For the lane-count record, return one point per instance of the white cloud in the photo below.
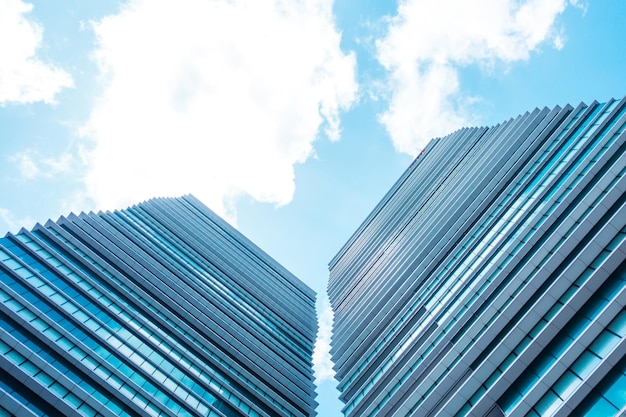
(428, 41)
(11, 223)
(219, 98)
(26, 166)
(24, 78)
(31, 165)
(582, 5)
(322, 362)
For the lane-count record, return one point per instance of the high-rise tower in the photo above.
(159, 309)
(491, 279)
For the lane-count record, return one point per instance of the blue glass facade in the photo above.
(491, 279)
(159, 309)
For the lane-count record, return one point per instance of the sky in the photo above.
(290, 118)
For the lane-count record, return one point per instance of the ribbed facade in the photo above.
(491, 279)
(160, 309)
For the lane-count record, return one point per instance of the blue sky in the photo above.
(290, 118)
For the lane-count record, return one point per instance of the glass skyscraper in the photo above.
(160, 309)
(490, 280)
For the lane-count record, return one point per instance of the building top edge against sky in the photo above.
(381, 204)
(404, 176)
(158, 309)
(221, 223)
(249, 245)
(398, 184)
(477, 266)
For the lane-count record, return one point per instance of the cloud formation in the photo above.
(9, 222)
(322, 361)
(220, 98)
(428, 41)
(31, 165)
(24, 77)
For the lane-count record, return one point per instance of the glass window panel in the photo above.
(602, 408)
(44, 379)
(604, 343)
(616, 393)
(30, 368)
(585, 364)
(114, 381)
(618, 325)
(16, 357)
(553, 311)
(567, 384)
(87, 410)
(58, 389)
(137, 378)
(577, 328)
(127, 391)
(548, 404)
(510, 399)
(116, 409)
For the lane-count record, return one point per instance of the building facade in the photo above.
(160, 309)
(491, 279)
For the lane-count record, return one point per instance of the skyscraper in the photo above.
(159, 309)
(490, 280)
